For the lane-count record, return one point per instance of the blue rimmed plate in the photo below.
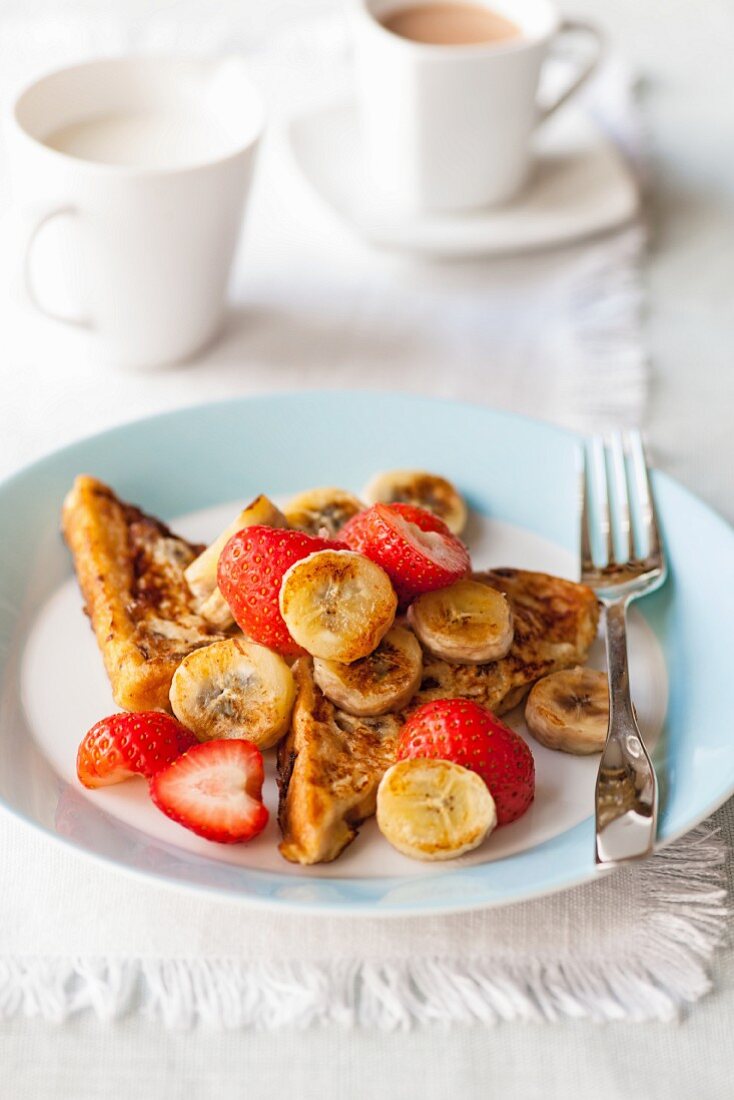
(196, 467)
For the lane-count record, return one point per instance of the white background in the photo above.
(683, 49)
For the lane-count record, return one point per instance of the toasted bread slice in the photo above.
(130, 569)
(329, 768)
(555, 623)
(331, 763)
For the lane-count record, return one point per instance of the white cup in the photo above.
(137, 254)
(450, 127)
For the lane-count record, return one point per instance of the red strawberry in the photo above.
(414, 547)
(124, 745)
(421, 517)
(470, 735)
(250, 571)
(215, 789)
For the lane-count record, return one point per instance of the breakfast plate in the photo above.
(580, 186)
(194, 467)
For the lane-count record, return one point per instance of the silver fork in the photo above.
(614, 474)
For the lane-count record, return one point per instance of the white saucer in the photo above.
(580, 186)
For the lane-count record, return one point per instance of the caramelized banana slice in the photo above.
(383, 681)
(216, 611)
(201, 575)
(467, 623)
(570, 710)
(337, 604)
(434, 809)
(234, 688)
(428, 491)
(319, 510)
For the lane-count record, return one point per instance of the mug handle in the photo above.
(30, 222)
(576, 26)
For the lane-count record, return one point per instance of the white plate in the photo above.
(580, 186)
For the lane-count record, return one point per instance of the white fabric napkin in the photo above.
(555, 335)
(79, 936)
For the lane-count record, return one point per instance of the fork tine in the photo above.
(587, 561)
(644, 495)
(602, 478)
(619, 473)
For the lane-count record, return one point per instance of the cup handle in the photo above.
(576, 26)
(30, 222)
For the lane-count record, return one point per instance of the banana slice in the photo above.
(467, 623)
(317, 510)
(234, 688)
(569, 710)
(428, 491)
(201, 575)
(337, 604)
(434, 809)
(383, 681)
(216, 611)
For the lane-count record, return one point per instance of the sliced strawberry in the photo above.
(414, 547)
(469, 734)
(421, 517)
(215, 789)
(249, 575)
(124, 745)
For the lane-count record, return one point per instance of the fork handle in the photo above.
(626, 787)
(622, 721)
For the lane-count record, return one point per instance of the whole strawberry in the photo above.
(249, 575)
(124, 745)
(469, 734)
(414, 547)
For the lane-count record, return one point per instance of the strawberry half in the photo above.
(469, 734)
(414, 547)
(124, 745)
(421, 517)
(215, 789)
(250, 571)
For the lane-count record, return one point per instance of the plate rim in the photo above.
(342, 907)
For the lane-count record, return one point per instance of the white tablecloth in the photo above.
(691, 425)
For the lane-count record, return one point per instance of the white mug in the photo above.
(449, 127)
(136, 251)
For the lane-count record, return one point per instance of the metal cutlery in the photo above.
(622, 559)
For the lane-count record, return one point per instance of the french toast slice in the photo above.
(329, 767)
(331, 763)
(555, 622)
(130, 568)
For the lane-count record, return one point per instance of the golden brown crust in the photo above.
(331, 763)
(130, 570)
(555, 622)
(329, 768)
